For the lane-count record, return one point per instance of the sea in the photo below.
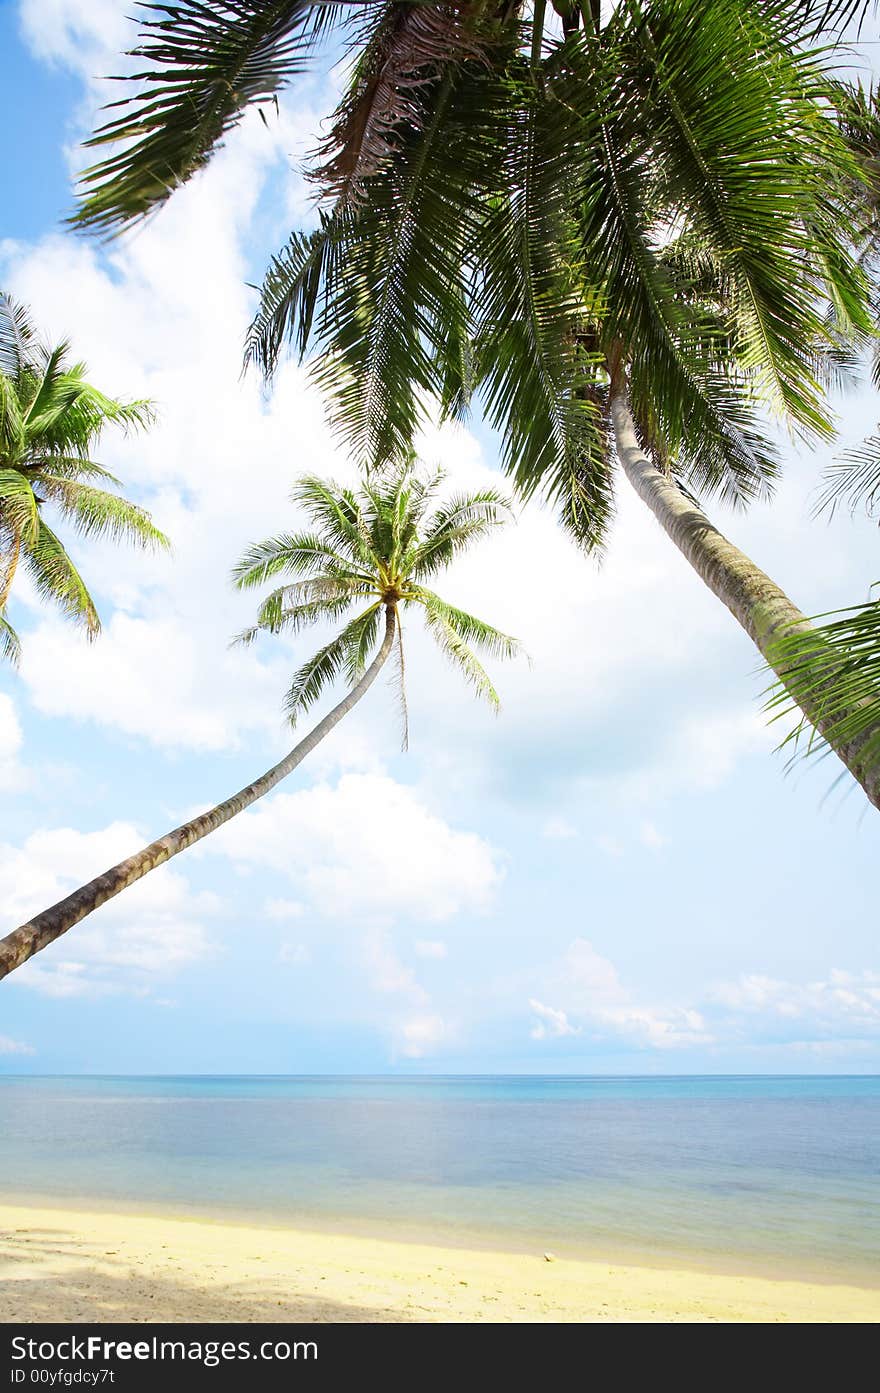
(771, 1175)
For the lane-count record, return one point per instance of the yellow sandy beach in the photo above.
(71, 1265)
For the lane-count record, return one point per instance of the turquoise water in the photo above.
(763, 1174)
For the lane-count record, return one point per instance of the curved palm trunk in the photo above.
(764, 611)
(44, 928)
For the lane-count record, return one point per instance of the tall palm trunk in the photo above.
(44, 928)
(764, 611)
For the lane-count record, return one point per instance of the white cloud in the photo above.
(414, 1027)
(365, 850)
(295, 953)
(431, 948)
(650, 836)
(707, 749)
(10, 1046)
(152, 683)
(847, 1001)
(609, 846)
(365, 846)
(550, 1023)
(751, 1012)
(594, 999)
(150, 930)
(12, 776)
(283, 909)
(387, 973)
(558, 829)
(79, 36)
(422, 1035)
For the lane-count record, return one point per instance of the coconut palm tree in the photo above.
(50, 419)
(621, 229)
(374, 552)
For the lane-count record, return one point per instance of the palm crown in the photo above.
(648, 204)
(50, 418)
(370, 549)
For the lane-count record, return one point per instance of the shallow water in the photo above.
(765, 1174)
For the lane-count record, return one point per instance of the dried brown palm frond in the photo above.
(409, 46)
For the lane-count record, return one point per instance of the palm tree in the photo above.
(371, 551)
(623, 233)
(50, 419)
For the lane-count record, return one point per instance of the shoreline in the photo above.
(79, 1264)
(410, 1232)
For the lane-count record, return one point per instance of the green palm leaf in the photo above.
(97, 513)
(18, 338)
(57, 579)
(449, 640)
(321, 670)
(835, 669)
(363, 636)
(290, 553)
(10, 643)
(470, 629)
(207, 61)
(854, 480)
(19, 514)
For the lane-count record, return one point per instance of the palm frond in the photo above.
(382, 308)
(853, 480)
(289, 553)
(336, 512)
(693, 413)
(831, 16)
(470, 629)
(401, 51)
(376, 291)
(207, 61)
(12, 428)
(19, 342)
(834, 669)
(77, 468)
(290, 292)
(363, 634)
(581, 488)
(96, 513)
(321, 670)
(739, 139)
(68, 415)
(464, 519)
(19, 513)
(10, 643)
(448, 638)
(276, 615)
(57, 579)
(533, 296)
(50, 416)
(399, 680)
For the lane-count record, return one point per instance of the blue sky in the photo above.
(614, 875)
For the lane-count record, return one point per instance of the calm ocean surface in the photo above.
(775, 1174)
